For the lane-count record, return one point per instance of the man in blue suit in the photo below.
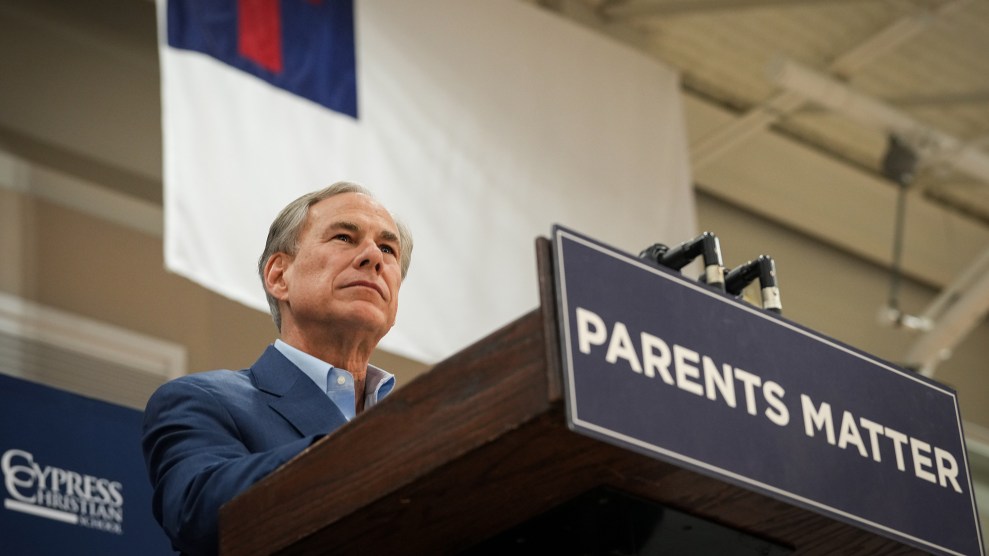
(331, 268)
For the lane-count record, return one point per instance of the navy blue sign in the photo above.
(668, 367)
(73, 476)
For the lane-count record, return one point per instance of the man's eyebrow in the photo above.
(346, 225)
(386, 235)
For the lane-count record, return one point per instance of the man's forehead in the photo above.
(354, 212)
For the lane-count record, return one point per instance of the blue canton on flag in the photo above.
(303, 46)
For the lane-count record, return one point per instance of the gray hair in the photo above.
(283, 236)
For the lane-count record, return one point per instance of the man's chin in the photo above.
(372, 319)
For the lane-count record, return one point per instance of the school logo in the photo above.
(60, 494)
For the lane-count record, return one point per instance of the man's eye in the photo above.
(387, 249)
(342, 237)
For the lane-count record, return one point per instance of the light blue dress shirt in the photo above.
(338, 383)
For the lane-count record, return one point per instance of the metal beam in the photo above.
(842, 99)
(711, 147)
(953, 315)
(638, 9)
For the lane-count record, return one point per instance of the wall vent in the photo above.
(82, 355)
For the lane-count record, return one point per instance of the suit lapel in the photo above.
(293, 396)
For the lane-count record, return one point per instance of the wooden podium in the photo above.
(480, 445)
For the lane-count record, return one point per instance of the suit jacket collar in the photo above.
(294, 396)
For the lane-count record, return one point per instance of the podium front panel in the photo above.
(669, 367)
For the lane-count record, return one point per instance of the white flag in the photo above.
(479, 123)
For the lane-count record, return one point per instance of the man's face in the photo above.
(346, 270)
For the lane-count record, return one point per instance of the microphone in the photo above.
(762, 268)
(705, 245)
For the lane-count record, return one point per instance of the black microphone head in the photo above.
(654, 253)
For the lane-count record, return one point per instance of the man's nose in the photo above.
(370, 255)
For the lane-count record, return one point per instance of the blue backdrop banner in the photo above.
(669, 367)
(73, 476)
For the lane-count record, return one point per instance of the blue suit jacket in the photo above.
(209, 436)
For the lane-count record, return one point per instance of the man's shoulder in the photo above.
(267, 377)
(225, 377)
(219, 383)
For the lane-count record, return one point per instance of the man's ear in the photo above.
(274, 275)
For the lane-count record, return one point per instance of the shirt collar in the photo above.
(377, 383)
(313, 367)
